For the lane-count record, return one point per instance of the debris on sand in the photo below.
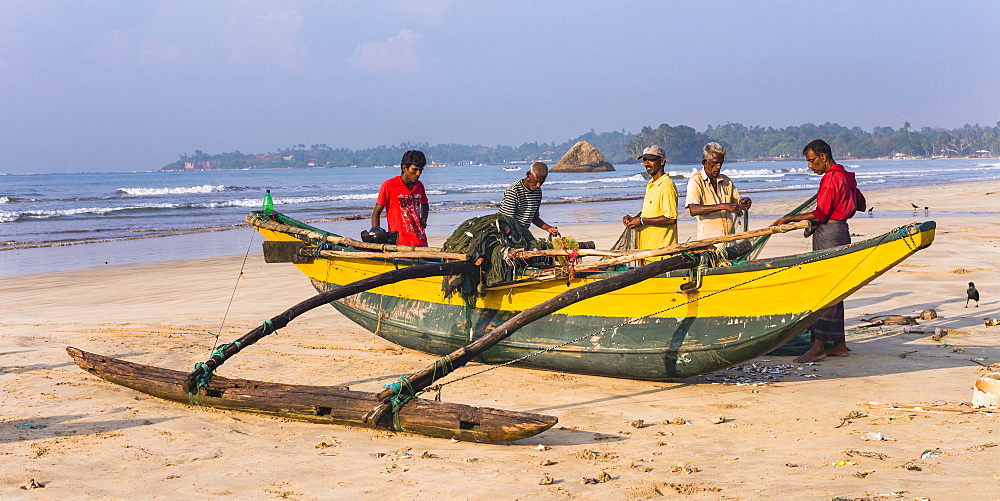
(866, 454)
(685, 468)
(638, 423)
(603, 477)
(31, 484)
(589, 454)
(718, 419)
(546, 480)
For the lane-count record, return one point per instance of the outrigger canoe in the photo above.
(656, 321)
(662, 328)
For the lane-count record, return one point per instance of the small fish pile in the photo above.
(758, 373)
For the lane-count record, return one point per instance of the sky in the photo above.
(91, 86)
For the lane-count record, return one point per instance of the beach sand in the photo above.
(799, 437)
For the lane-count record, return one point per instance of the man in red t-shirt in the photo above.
(837, 200)
(406, 202)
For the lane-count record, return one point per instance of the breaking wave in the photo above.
(146, 192)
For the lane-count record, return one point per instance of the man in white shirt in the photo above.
(712, 198)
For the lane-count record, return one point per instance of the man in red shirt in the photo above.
(405, 202)
(837, 200)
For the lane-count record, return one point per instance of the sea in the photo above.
(54, 222)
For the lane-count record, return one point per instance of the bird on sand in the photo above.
(973, 294)
(914, 206)
(870, 209)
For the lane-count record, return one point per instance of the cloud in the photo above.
(267, 40)
(432, 11)
(158, 50)
(113, 48)
(394, 55)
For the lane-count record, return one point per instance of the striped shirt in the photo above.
(521, 203)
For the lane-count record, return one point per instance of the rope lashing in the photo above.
(400, 398)
(205, 371)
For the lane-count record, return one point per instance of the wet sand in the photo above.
(791, 431)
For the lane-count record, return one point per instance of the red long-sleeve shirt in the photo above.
(838, 196)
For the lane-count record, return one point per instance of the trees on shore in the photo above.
(681, 143)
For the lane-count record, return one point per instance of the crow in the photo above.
(914, 206)
(870, 209)
(973, 294)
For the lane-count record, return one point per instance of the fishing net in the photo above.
(758, 243)
(489, 238)
(627, 240)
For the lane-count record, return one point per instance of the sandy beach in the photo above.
(794, 436)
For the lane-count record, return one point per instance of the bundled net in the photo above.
(488, 238)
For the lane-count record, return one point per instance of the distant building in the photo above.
(980, 154)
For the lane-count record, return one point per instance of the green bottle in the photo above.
(268, 207)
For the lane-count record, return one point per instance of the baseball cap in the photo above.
(652, 153)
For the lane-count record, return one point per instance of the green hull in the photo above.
(649, 330)
(654, 349)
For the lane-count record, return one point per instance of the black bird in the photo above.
(973, 294)
(914, 206)
(870, 209)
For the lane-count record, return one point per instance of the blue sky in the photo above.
(130, 85)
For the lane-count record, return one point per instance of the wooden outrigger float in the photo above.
(319, 404)
(669, 319)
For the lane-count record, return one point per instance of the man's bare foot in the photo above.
(839, 349)
(816, 352)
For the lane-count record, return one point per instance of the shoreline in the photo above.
(223, 241)
(789, 431)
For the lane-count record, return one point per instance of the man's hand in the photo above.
(632, 222)
(553, 230)
(745, 203)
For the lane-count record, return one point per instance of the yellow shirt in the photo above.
(700, 191)
(660, 200)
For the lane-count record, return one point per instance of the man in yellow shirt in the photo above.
(657, 222)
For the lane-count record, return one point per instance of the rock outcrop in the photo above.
(583, 157)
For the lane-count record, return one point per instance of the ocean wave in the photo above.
(145, 192)
(619, 179)
(764, 173)
(4, 200)
(7, 217)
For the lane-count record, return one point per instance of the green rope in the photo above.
(202, 380)
(399, 399)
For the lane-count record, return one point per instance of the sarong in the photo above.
(830, 327)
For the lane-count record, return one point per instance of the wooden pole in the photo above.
(330, 254)
(423, 378)
(254, 220)
(282, 319)
(634, 255)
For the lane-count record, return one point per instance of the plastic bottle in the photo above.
(268, 207)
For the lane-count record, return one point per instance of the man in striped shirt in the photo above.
(523, 198)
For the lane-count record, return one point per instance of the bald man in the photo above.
(523, 198)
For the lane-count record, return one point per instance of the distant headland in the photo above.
(681, 143)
